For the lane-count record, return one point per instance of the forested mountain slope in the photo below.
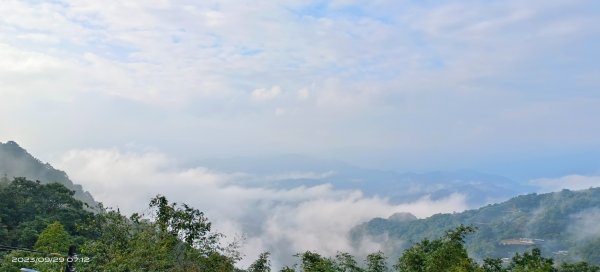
(565, 225)
(41, 221)
(17, 162)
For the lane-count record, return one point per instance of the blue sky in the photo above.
(120, 94)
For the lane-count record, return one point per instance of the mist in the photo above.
(282, 221)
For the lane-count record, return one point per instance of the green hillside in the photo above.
(41, 221)
(565, 225)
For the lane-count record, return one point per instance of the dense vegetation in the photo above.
(47, 219)
(560, 223)
(43, 220)
(17, 162)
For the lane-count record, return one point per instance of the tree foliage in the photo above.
(46, 218)
(27, 207)
(445, 254)
(262, 264)
(53, 239)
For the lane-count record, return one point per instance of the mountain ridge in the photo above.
(563, 224)
(479, 188)
(15, 161)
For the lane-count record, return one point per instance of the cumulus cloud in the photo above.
(571, 182)
(283, 221)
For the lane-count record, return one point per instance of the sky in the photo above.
(411, 85)
(126, 89)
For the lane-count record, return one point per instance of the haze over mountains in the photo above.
(291, 122)
(283, 204)
(292, 171)
(563, 224)
(289, 171)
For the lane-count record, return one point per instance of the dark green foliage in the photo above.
(376, 262)
(448, 254)
(17, 162)
(443, 254)
(344, 262)
(27, 207)
(493, 265)
(262, 264)
(48, 217)
(179, 238)
(531, 262)
(186, 223)
(313, 262)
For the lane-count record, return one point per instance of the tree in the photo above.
(376, 262)
(493, 265)
(445, 254)
(27, 207)
(53, 239)
(287, 269)
(262, 264)
(344, 262)
(313, 262)
(178, 240)
(531, 262)
(186, 223)
(52, 243)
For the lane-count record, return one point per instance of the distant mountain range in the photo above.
(565, 225)
(15, 161)
(291, 171)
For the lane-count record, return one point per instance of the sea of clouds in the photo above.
(282, 221)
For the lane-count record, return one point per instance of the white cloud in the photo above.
(284, 221)
(416, 82)
(29, 74)
(298, 175)
(264, 94)
(571, 182)
(419, 78)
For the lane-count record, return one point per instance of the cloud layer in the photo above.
(386, 84)
(282, 221)
(571, 182)
(405, 82)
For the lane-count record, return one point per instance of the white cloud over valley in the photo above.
(387, 85)
(283, 221)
